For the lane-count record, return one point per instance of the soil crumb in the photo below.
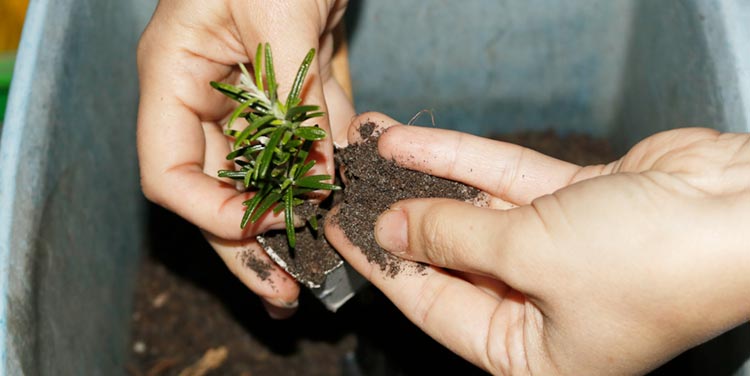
(373, 185)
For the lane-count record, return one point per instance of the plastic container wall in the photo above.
(619, 69)
(71, 224)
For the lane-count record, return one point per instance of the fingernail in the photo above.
(279, 309)
(391, 231)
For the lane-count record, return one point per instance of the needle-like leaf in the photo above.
(313, 220)
(289, 218)
(268, 201)
(315, 182)
(299, 110)
(232, 174)
(263, 132)
(231, 91)
(310, 133)
(267, 153)
(257, 67)
(303, 170)
(243, 136)
(294, 94)
(270, 74)
(252, 204)
(238, 111)
(236, 153)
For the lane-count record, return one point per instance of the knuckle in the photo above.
(430, 294)
(435, 238)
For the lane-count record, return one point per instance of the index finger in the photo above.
(504, 170)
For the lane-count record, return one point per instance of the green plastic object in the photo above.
(6, 72)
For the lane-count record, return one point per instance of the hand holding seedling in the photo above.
(609, 269)
(181, 144)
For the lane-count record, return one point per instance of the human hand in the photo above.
(189, 43)
(609, 269)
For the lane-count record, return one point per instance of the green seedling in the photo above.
(272, 151)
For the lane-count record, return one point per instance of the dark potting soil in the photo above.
(312, 258)
(373, 185)
(187, 302)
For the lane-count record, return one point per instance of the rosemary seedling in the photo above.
(271, 151)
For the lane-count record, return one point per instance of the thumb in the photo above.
(291, 28)
(504, 244)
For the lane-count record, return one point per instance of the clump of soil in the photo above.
(312, 258)
(373, 185)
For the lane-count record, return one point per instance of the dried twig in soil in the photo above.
(212, 359)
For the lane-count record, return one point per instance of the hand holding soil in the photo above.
(608, 269)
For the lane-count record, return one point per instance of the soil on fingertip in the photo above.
(260, 266)
(373, 185)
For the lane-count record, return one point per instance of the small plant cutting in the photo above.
(271, 152)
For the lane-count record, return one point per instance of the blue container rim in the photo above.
(10, 154)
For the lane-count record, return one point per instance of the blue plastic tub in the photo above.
(71, 224)
(71, 216)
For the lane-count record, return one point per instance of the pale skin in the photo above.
(189, 43)
(608, 269)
